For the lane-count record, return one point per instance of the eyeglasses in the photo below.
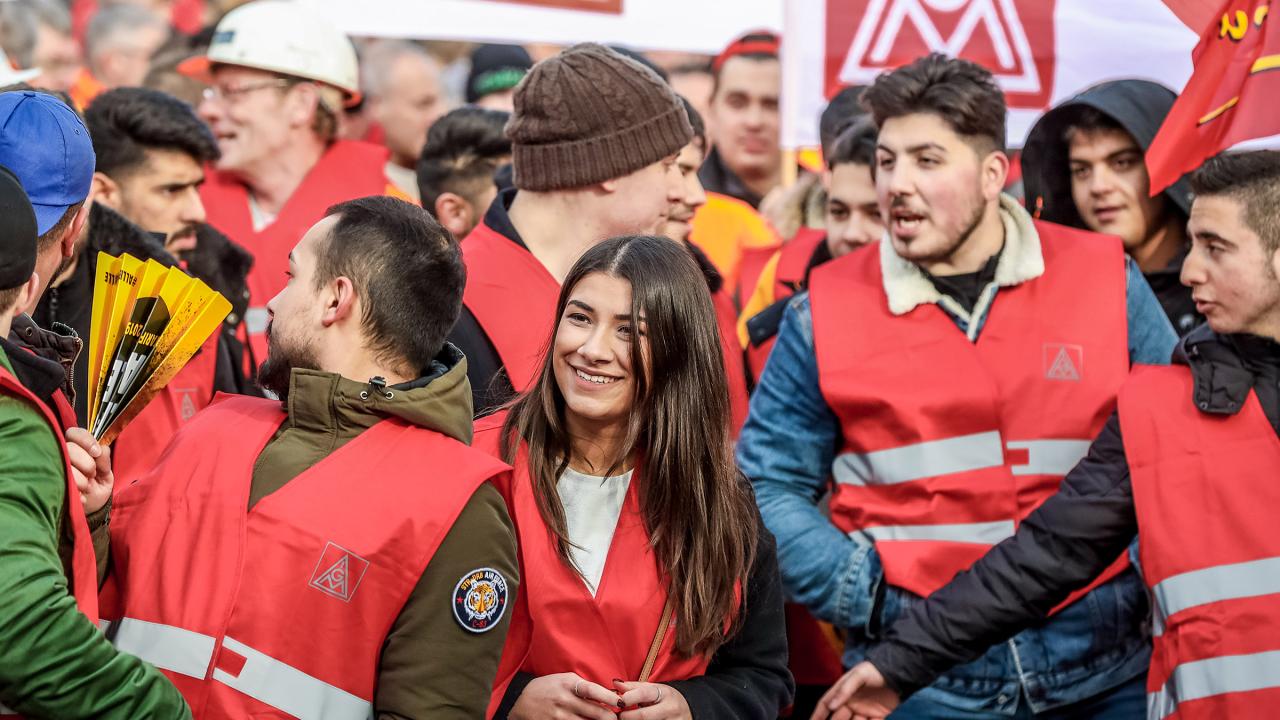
(226, 94)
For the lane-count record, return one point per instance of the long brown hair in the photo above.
(697, 507)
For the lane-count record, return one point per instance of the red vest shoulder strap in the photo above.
(796, 254)
(513, 297)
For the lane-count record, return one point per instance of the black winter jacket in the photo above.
(1074, 536)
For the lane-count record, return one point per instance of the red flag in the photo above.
(1230, 97)
(1195, 14)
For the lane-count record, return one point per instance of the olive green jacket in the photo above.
(431, 666)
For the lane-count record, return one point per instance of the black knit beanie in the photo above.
(588, 115)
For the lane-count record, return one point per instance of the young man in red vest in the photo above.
(340, 552)
(53, 661)
(942, 381)
(594, 141)
(279, 76)
(1193, 476)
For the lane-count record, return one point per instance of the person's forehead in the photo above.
(909, 131)
(1099, 141)
(757, 76)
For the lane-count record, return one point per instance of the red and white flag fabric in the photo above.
(1231, 95)
(1041, 51)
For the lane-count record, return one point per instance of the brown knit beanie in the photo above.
(588, 115)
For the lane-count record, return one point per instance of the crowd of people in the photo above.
(545, 394)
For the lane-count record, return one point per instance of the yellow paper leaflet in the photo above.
(148, 321)
(199, 317)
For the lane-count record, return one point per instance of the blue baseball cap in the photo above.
(46, 145)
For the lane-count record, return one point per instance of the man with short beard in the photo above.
(339, 552)
(944, 380)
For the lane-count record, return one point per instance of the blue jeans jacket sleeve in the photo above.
(786, 449)
(1151, 337)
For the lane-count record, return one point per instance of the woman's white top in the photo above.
(591, 508)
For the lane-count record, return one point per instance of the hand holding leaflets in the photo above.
(148, 321)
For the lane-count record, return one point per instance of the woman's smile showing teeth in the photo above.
(597, 379)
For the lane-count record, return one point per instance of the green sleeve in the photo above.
(431, 666)
(53, 662)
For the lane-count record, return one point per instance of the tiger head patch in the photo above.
(480, 599)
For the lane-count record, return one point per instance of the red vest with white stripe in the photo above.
(513, 297)
(142, 441)
(949, 443)
(557, 625)
(84, 567)
(1206, 489)
(282, 608)
(346, 171)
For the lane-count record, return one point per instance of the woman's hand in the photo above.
(564, 696)
(651, 701)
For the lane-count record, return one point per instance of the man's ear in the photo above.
(454, 213)
(339, 299)
(106, 191)
(995, 171)
(29, 297)
(76, 226)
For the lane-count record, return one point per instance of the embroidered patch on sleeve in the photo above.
(480, 599)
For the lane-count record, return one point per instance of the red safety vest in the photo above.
(513, 297)
(949, 443)
(734, 364)
(1206, 494)
(346, 171)
(282, 608)
(558, 626)
(788, 279)
(140, 444)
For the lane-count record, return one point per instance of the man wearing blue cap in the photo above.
(53, 661)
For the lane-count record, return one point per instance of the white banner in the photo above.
(1042, 51)
(703, 26)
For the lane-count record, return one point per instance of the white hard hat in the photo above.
(9, 75)
(281, 36)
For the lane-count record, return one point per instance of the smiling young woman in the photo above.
(650, 583)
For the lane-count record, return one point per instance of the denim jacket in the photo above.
(787, 447)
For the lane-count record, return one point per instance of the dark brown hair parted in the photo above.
(697, 507)
(1253, 180)
(962, 93)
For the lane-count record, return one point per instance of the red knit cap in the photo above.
(588, 115)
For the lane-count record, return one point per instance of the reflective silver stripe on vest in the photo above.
(921, 460)
(165, 646)
(1049, 457)
(256, 320)
(1215, 676)
(1215, 584)
(987, 533)
(290, 690)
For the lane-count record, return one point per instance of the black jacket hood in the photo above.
(1139, 106)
